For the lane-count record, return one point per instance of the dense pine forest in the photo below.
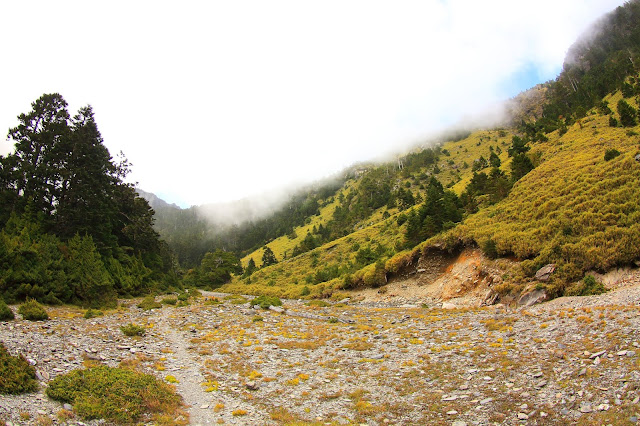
(73, 230)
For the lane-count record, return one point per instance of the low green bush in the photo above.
(33, 311)
(149, 303)
(318, 303)
(16, 374)
(212, 301)
(92, 313)
(6, 314)
(194, 293)
(265, 301)
(236, 299)
(132, 330)
(587, 287)
(169, 301)
(610, 154)
(115, 394)
(489, 249)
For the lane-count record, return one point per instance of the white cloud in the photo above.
(218, 100)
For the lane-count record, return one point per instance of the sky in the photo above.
(215, 101)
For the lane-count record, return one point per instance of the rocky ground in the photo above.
(568, 361)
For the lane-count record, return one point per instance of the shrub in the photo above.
(374, 275)
(132, 330)
(627, 114)
(194, 293)
(33, 311)
(91, 313)
(613, 122)
(399, 261)
(265, 301)
(305, 291)
(489, 249)
(169, 301)
(16, 374)
(236, 299)
(588, 286)
(611, 154)
(115, 394)
(149, 303)
(318, 303)
(6, 314)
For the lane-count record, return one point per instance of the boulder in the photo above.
(545, 272)
(447, 305)
(532, 297)
(251, 385)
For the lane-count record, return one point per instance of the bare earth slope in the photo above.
(568, 361)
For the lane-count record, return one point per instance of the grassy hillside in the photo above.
(576, 208)
(561, 185)
(283, 246)
(304, 275)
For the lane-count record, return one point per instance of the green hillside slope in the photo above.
(578, 207)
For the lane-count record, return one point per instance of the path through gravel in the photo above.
(181, 364)
(571, 361)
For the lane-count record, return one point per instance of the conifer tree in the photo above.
(627, 114)
(91, 283)
(268, 258)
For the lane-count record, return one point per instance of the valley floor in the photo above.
(568, 361)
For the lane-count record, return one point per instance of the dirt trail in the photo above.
(182, 364)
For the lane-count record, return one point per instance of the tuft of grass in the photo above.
(92, 313)
(115, 394)
(169, 301)
(33, 311)
(171, 379)
(16, 374)
(149, 303)
(132, 329)
(236, 299)
(318, 303)
(265, 301)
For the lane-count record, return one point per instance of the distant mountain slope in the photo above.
(156, 203)
(578, 208)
